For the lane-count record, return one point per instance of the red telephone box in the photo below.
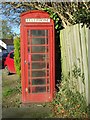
(37, 57)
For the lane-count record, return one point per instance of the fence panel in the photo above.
(74, 55)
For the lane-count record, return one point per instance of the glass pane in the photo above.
(28, 49)
(47, 65)
(47, 72)
(28, 73)
(39, 32)
(38, 65)
(39, 49)
(28, 65)
(38, 81)
(47, 81)
(12, 55)
(28, 89)
(28, 41)
(48, 90)
(39, 41)
(38, 73)
(38, 57)
(38, 89)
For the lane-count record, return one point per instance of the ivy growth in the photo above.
(76, 72)
(56, 18)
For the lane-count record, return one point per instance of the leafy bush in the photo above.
(17, 58)
(69, 102)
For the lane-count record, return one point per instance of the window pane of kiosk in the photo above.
(28, 49)
(48, 89)
(38, 81)
(28, 73)
(38, 65)
(36, 41)
(39, 32)
(47, 72)
(38, 57)
(38, 89)
(39, 49)
(28, 65)
(28, 89)
(47, 81)
(38, 73)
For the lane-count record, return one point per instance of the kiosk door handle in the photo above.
(25, 62)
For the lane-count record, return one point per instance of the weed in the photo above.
(9, 91)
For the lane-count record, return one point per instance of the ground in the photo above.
(12, 106)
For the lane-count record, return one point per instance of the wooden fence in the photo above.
(74, 57)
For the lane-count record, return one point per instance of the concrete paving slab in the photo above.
(33, 111)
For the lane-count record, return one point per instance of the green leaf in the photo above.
(56, 27)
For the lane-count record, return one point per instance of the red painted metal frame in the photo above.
(40, 97)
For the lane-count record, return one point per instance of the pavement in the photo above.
(32, 111)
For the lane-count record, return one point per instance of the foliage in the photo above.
(6, 30)
(9, 91)
(68, 12)
(55, 17)
(89, 111)
(76, 73)
(69, 103)
(17, 58)
(82, 15)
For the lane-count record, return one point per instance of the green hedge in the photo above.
(17, 57)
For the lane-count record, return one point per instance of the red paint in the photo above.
(37, 57)
(9, 62)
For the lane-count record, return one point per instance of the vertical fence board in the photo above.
(80, 61)
(84, 59)
(88, 36)
(75, 39)
(63, 53)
